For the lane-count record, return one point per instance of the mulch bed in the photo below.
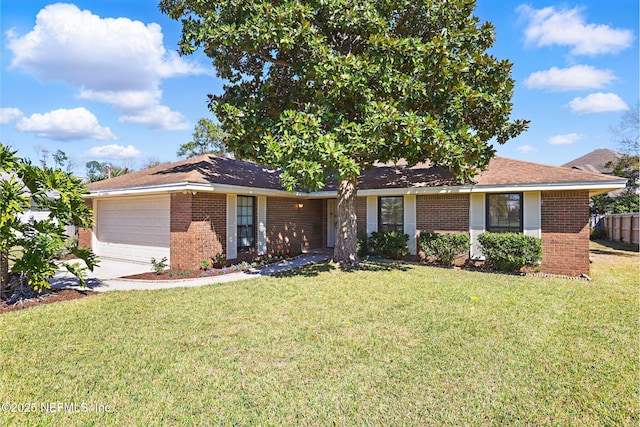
(174, 274)
(51, 296)
(167, 275)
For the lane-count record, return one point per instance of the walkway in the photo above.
(108, 276)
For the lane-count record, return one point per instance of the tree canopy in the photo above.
(99, 171)
(35, 244)
(208, 138)
(626, 135)
(327, 88)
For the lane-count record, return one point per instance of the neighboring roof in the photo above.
(214, 171)
(595, 161)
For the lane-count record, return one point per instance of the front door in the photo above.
(332, 222)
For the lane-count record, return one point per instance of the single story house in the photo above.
(196, 208)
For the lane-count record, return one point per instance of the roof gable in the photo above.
(595, 161)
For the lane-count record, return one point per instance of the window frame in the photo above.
(398, 227)
(508, 229)
(243, 248)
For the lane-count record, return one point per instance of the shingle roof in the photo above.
(595, 161)
(206, 169)
(210, 169)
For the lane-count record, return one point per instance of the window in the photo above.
(245, 222)
(504, 213)
(391, 214)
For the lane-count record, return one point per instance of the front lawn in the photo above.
(389, 345)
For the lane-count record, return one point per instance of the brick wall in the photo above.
(198, 228)
(294, 228)
(565, 232)
(443, 213)
(85, 234)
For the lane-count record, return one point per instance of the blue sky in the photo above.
(100, 79)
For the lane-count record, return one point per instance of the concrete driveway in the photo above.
(108, 276)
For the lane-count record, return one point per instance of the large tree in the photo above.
(207, 138)
(325, 89)
(626, 134)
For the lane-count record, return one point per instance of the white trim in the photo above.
(532, 214)
(477, 214)
(372, 214)
(410, 222)
(262, 225)
(594, 187)
(232, 226)
(196, 187)
(332, 223)
(94, 228)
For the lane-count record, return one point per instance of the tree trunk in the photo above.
(346, 235)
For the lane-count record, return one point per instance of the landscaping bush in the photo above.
(158, 265)
(598, 234)
(445, 247)
(510, 251)
(362, 246)
(390, 244)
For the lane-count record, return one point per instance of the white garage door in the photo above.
(134, 229)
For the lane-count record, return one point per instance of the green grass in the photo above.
(389, 345)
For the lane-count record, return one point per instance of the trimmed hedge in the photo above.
(510, 251)
(362, 246)
(445, 247)
(598, 234)
(390, 244)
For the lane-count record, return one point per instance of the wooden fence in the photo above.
(623, 227)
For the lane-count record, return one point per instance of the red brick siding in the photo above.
(85, 234)
(293, 228)
(443, 213)
(198, 228)
(361, 213)
(565, 232)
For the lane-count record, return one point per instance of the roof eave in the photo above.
(193, 187)
(594, 188)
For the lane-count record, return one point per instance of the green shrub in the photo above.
(390, 244)
(362, 246)
(510, 251)
(598, 234)
(444, 248)
(158, 265)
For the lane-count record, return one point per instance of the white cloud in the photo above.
(565, 139)
(567, 27)
(577, 77)
(65, 125)
(125, 100)
(597, 103)
(526, 149)
(160, 117)
(116, 61)
(113, 152)
(8, 115)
